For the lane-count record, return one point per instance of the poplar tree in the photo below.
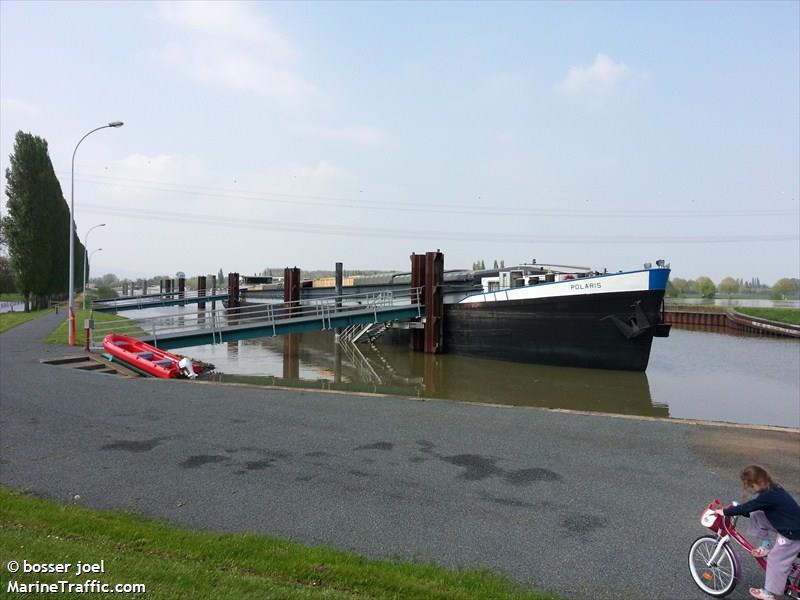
(37, 224)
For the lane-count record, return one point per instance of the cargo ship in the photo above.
(561, 316)
(537, 313)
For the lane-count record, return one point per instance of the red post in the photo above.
(417, 341)
(434, 302)
(71, 318)
(233, 290)
(291, 289)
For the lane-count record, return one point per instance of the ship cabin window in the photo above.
(490, 284)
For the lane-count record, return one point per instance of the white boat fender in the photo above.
(187, 368)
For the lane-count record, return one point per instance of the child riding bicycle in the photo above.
(773, 509)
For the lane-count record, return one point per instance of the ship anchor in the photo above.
(637, 324)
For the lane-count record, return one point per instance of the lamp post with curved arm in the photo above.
(86, 263)
(71, 315)
(88, 260)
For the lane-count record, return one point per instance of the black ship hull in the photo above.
(598, 331)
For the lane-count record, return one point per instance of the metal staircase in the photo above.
(366, 332)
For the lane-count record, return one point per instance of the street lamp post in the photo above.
(86, 263)
(71, 315)
(89, 259)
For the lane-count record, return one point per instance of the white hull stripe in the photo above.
(636, 281)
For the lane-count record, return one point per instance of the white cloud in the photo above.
(228, 45)
(233, 69)
(601, 79)
(234, 20)
(17, 107)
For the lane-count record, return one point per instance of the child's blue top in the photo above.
(779, 507)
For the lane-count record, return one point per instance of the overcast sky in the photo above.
(283, 134)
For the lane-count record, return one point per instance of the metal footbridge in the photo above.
(350, 312)
(158, 300)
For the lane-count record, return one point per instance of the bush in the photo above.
(105, 293)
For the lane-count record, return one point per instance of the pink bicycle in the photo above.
(714, 566)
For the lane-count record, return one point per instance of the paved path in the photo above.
(585, 506)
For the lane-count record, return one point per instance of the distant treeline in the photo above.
(321, 273)
(704, 287)
(786, 288)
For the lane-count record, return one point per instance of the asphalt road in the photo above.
(584, 506)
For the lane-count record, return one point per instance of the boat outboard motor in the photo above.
(187, 368)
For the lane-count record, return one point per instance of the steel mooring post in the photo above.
(233, 290)
(182, 289)
(291, 289)
(201, 291)
(338, 295)
(434, 302)
(417, 340)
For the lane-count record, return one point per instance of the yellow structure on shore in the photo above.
(329, 282)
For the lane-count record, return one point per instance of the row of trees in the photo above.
(480, 265)
(783, 289)
(36, 226)
(786, 288)
(110, 280)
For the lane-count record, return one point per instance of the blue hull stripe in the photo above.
(658, 279)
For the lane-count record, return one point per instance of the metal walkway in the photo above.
(157, 300)
(184, 329)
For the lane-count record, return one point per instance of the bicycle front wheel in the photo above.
(719, 578)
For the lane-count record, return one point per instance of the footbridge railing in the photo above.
(159, 300)
(192, 328)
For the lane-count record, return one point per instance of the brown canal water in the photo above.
(693, 374)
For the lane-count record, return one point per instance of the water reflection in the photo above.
(696, 373)
(315, 360)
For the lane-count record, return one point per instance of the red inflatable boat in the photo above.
(147, 358)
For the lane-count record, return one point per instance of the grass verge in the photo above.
(781, 315)
(12, 319)
(60, 334)
(177, 563)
